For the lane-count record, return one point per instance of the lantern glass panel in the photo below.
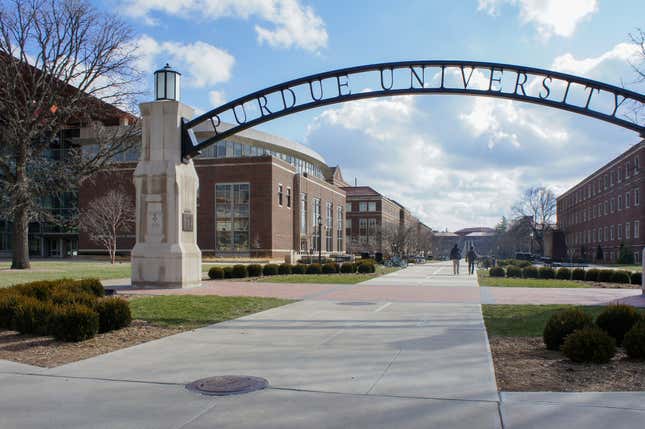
(161, 88)
(170, 86)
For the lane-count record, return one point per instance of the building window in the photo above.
(316, 216)
(329, 242)
(606, 234)
(627, 230)
(371, 206)
(362, 206)
(611, 178)
(611, 232)
(606, 208)
(348, 207)
(637, 228)
(628, 200)
(232, 216)
(619, 232)
(637, 197)
(612, 205)
(371, 229)
(636, 164)
(620, 202)
(289, 197)
(280, 195)
(362, 229)
(303, 214)
(628, 169)
(620, 174)
(339, 229)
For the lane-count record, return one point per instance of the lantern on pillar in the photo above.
(167, 83)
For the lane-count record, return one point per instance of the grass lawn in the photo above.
(56, 269)
(486, 280)
(49, 270)
(525, 320)
(196, 311)
(328, 278)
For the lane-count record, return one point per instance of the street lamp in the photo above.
(531, 243)
(167, 83)
(319, 239)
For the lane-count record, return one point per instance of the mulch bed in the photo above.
(523, 364)
(49, 353)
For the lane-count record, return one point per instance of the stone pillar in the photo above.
(166, 253)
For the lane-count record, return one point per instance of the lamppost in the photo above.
(319, 239)
(531, 243)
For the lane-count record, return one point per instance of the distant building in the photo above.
(481, 238)
(603, 212)
(379, 226)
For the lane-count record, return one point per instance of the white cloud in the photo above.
(205, 64)
(550, 17)
(622, 52)
(216, 98)
(284, 23)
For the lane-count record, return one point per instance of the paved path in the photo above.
(358, 362)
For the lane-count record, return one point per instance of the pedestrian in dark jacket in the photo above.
(471, 258)
(455, 256)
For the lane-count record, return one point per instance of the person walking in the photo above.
(471, 257)
(455, 256)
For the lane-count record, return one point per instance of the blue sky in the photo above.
(455, 161)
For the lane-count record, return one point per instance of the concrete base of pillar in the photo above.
(166, 267)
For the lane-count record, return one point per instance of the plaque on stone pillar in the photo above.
(187, 221)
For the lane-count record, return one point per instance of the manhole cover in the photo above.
(227, 385)
(356, 303)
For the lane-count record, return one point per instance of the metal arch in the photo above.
(415, 73)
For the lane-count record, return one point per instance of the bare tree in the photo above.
(638, 37)
(62, 65)
(107, 217)
(538, 204)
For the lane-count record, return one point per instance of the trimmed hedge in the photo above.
(365, 268)
(530, 272)
(298, 269)
(270, 270)
(563, 274)
(215, 273)
(589, 345)
(75, 323)
(592, 275)
(605, 276)
(314, 268)
(254, 270)
(634, 341)
(239, 271)
(347, 268)
(513, 271)
(621, 277)
(617, 320)
(547, 273)
(637, 278)
(228, 272)
(563, 323)
(32, 316)
(70, 310)
(114, 313)
(578, 274)
(497, 272)
(284, 269)
(329, 268)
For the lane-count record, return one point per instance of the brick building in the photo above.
(379, 226)
(604, 211)
(259, 196)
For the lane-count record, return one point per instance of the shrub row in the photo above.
(580, 339)
(69, 310)
(591, 275)
(256, 270)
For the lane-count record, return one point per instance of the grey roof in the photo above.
(263, 137)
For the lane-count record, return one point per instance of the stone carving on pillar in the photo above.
(166, 254)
